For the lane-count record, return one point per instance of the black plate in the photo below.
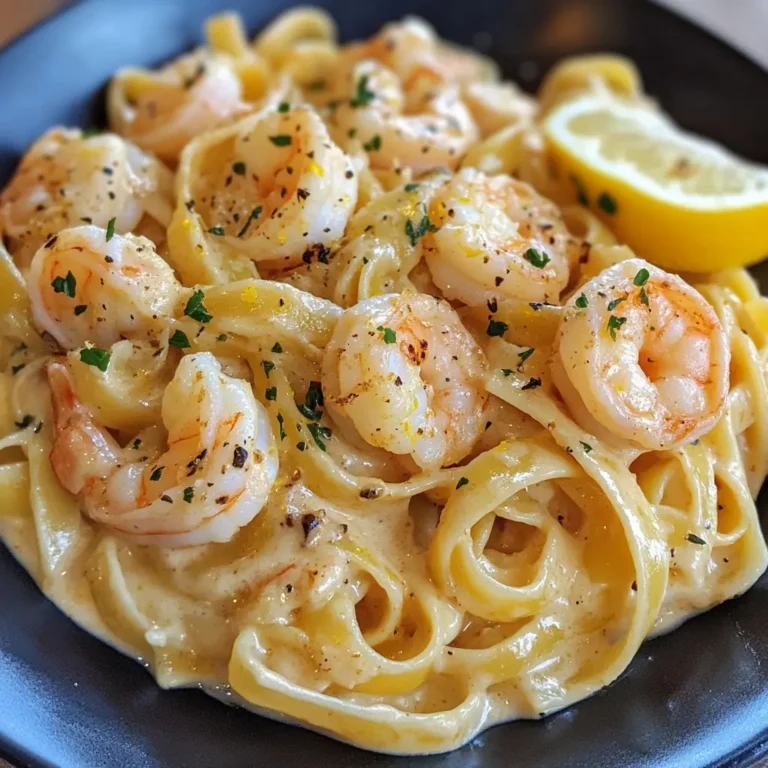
(696, 697)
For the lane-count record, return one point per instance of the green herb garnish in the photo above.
(537, 258)
(179, 339)
(98, 358)
(196, 310)
(282, 140)
(363, 97)
(65, 285)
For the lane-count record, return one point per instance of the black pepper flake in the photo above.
(240, 455)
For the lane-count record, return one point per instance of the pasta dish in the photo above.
(359, 387)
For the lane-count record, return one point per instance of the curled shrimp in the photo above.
(214, 477)
(422, 126)
(497, 238)
(408, 376)
(287, 189)
(496, 105)
(83, 287)
(641, 356)
(162, 111)
(67, 178)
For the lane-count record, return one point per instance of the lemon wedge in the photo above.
(680, 201)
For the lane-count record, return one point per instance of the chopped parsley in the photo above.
(301, 445)
(496, 328)
(507, 372)
(268, 367)
(239, 168)
(582, 302)
(26, 420)
(411, 187)
(255, 213)
(363, 97)
(271, 393)
(157, 473)
(462, 482)
(80, 308)
(276, 348)
(614, 323)
(136, 444)
(374, 145)
(16, 368)
(222, 337)
(284, 106)
(416, 233)
(189, 494)
(179, 339)
(694, 539)
(216, 230)
(643, 297)
(615, 303)
(525, 354)
(281, 424)
(65, 285)
(110, 228)
(532, 383)
(98, 358)
(586, 446)
(390, 336)
(607, 203)
(641, 278)
(281, 140)
(538, 258)
(313, 400)
(318, 432)
(196, 309)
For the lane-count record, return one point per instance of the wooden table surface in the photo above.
(743, 23)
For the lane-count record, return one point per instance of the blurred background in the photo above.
(743, 23)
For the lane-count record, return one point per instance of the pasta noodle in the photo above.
(337, 423)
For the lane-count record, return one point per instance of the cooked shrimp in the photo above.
(408, 376)
(83, 287)
(162, 111)
(641, 356)
(421, 127)
(497, 237)
(288, 189)
(66, 179)
(214, 477)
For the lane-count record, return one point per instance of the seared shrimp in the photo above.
(162, 111)
(66, 179)
(287, 190)
(496, 105)
(214, 477)
(408, 376)
(497, 237)
(421, 127)
(641, 356)
(83, 287)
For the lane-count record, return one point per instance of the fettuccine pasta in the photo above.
(325, 388)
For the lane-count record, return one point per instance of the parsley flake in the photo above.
(216, 230)
(615, 303)
(363, 97)
(582, 302)
(157, 473)
(496, 328)
(196, 309)
(65, 285)
(525, 354)
(416, 233)
(255, 213)
(462, 482)
(282, 140)
(532, 383)
(614, 323)
(390, 336)
(318, 432)
(276, 348)
(507, 372)
(539, 259)
(586, 446)
(239, 168)
(694, 539)
(411, 187)
(374, 145)
(111, 228)
(80, 308)
(179, 339)
(284, 106)
(641, 278)
(98, 358)
(644, 297)
(281, 424)
(271, 393)
(268, 367)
